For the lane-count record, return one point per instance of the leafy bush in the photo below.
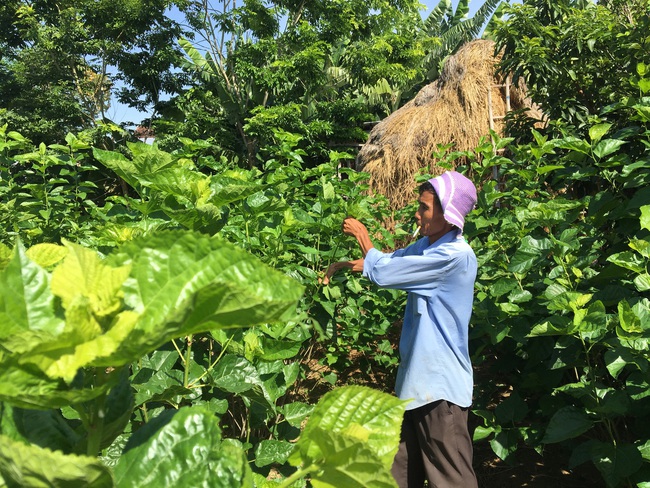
(562, 314)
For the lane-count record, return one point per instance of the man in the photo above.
(438, 272)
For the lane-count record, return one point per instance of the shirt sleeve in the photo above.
(420, 274)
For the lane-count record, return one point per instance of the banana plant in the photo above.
(454, 28)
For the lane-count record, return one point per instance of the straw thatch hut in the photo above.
(459, 108)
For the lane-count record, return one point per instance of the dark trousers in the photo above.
(435, 445)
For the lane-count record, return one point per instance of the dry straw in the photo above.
(452, 110)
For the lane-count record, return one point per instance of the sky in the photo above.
(120, 113)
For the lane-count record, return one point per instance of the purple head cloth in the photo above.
(457, 196)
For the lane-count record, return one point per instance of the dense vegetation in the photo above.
(162, 302)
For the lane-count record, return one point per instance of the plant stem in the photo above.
(223, 351)
(301, 473)
(188, 357)
(96, 416)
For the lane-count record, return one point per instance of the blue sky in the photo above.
(119, 113)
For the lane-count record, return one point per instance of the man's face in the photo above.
(430, 219)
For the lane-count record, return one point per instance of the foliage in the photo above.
(319, 69)
(350, 440)
(60, 62)
(281, 65)
(46, 192)
(72, 321)
(575, 56)
(251, 379)
(177, 341)
(561, 317)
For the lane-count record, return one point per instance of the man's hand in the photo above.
(356, 266)
(331, 269)
(352, 227)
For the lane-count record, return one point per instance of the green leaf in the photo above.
(182, 448)
(272, 451)
(615, 462)
(23, 385)
(47, 255)
(347, 462)
(592, 325)
(26, 302)
(119, 407)
(237, 375)
(5, 256)
(118, 163)
(296, 412)
(84, 273)
(642, 282)
(505, 443)
(555, 325)
(23, 465)
(481, 433)
(641, 246)
(627, 260)
(46, 428)
(645, 217)
(530, 252)
(355, 411)
(629, 320)
(542, 170)
(185, 283)
(574, 144)
(511, 409)
(607, 147)
(226, 190)
(597, 132)
(155, 375)
(567, 423)
(618, 357)
(569, 301)
(503, 286)
(180, 284)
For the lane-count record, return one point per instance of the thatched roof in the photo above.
(452, 110)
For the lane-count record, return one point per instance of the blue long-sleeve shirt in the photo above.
(439, 278)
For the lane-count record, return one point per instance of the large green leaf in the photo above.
(348, 462)
(182, 448)
(614, 461)
(530, 252)
(33, 466)
(25, 386)
(183, 283)
(118, 163)
(26, 302)
(237, 375)
(45, 428)
(357, 412)
(591, 323)
(606, 147)
(567, 423)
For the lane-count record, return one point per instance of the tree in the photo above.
(294, 66)
(319, 69)
(575, 56)
(57, 59)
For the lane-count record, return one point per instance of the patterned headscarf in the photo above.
(457, 196)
